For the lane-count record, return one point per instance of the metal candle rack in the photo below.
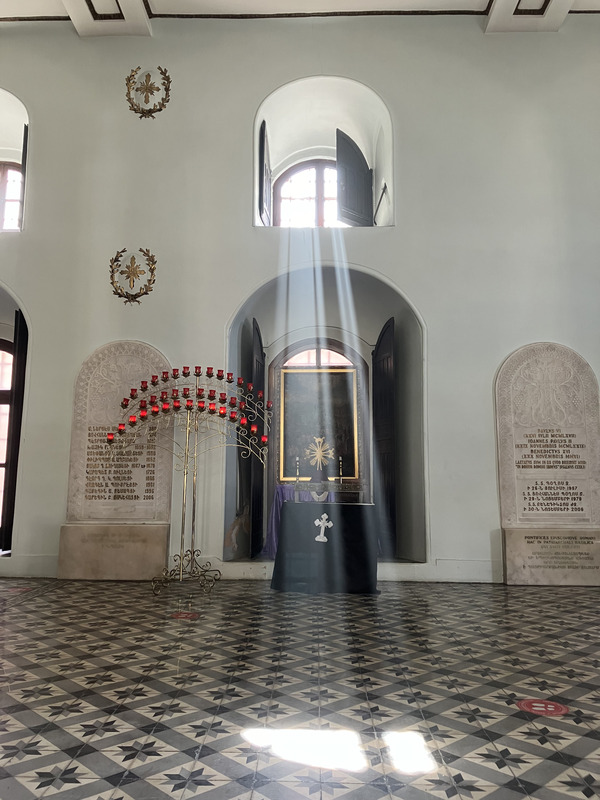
(206, 418)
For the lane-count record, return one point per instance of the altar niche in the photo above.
(369, 319)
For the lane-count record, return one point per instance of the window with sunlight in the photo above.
(305, 196)
(318, 358)
(11, 194)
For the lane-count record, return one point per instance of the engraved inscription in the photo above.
(550, 448)
(552, 496)
(561, 551)
(127, 476)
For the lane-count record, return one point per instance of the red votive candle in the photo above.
(233, 401)
(186, 372)
(121, 427)
(197, 371)
(243, 421)
(176, 405)
(250, 386)
(220, 374)
(199, 392)
(223, 411)
(110, 437)
(212, 394)
(209, 372)
(143, 413)
(189, 403)
(154, 380)
(143, 403)
(253, 429)
(165, 376)
(201, 405)
(222, 397)
(240, 381)
(124, 402)
(165, 407)
(242, 405)
(164, 395)
(264, 439)
(175, 373)
(152, 399)
(144, 385)
(186, 391)
(175, 393)
(269, 405)
(155, 409)
(133, 394)
(230, 377)
(212, 408)
(260, 394)
(233, 416)
(132, 419)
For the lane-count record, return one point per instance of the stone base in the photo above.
(112, 552)
(551, 557)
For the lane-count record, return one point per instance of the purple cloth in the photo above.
(285, 492)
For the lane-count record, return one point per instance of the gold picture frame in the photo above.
(319, 402)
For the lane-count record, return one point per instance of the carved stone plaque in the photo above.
(136, 485)
(548, 430)
(552, 557)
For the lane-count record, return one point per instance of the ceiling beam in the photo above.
(503, 19)
(135, 20)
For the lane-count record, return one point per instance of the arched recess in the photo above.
(14, 130)
(352, 307)
(300, 122)
(13, 359)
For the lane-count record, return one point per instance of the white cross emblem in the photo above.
(323, 522)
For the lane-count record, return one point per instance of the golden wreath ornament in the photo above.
(132, 272)
(147, 88)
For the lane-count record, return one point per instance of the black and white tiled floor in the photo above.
(110, 693)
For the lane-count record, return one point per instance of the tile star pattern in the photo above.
(110, 693)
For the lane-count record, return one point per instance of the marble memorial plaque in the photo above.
(136, 485)
(552, 557)
(548, 430)
(112, 551)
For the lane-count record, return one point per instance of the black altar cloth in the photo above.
(346, 562)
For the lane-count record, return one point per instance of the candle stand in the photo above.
(191, 414)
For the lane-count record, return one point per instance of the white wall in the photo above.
(496, 241)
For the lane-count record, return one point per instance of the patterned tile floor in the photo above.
(110, 693)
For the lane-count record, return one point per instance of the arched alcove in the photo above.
(300, 120)
(350, 306)
(14, 126)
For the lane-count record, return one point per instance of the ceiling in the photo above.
(134, 17)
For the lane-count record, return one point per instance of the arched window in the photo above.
(14, 134)
(340, 129)
(305, 196)
(11, 196)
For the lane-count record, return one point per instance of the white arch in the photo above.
(13, 116)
